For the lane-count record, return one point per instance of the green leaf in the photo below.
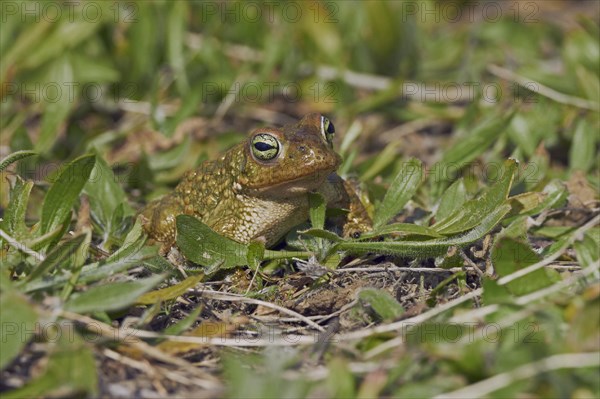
(177, 23)
(170, 158)
(200, 244)
(14, 157)
(64, 192)
(171, 292)
(184, 324)
(403, 187)
(317, 208)
(382, 303)
(93, 69)
(70, 371)
(255, 255)
(105, 195)
(14, 215)
(131, 254)
(57, 257)
(401, 229)
(383, 159)
(582, 153)
(510, 255)
(480, 139)
(453, 198)
(588, 249)
(321, 233)
(472, 212)
(494, 293)
(17, 319)
(340, 379)
(429, 248)
(63, 99)
(112, 296)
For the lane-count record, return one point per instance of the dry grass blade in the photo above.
(529, 370)
(546, 91)
(238, 298)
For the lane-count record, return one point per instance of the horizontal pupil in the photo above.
(261, 146)
(330, 128)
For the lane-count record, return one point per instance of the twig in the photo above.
(367, 332)
(546, 91)
(153, 371)
(21, 247)
(555, 362)
(526, 299)
(131, 337)
(400, 269)
(238, 298)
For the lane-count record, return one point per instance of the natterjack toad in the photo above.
(258, 190)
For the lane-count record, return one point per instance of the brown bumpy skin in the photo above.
(246, 197)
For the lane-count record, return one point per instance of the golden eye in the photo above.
(265, 147)
(327, 129)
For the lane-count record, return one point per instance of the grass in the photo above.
(471, 131)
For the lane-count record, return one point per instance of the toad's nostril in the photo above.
(302, 148)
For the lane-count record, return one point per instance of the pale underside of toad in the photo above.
(259, 189)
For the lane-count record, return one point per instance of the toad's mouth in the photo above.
(298, 185)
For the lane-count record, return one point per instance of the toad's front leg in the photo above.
(340, 194)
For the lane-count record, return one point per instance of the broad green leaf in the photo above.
(171, 292)
(553, 195)
(17, 318)
(520, 132)
(65, 191)
(111, 296)
(177, 24)
(321, 233)
(428, 248)
(24, 45)
(526, 202)
(170, 158)
(317, 208)
(403, 187)
(132, 254)
(589, 84)
(582, 153)
(93, 69)
(105, 195)
(255, 255)
(14, 157)
(473, 211)
(510, 255)
(401, 229)
(588, 249)
(185, 323)
(200, 244)
(383, 159)
(57, 257)
(382, 303)
(59, 102)
(340, 379)
(70, 371)
(494, 293)
(77, 261)
(14, 215)
(453, 198)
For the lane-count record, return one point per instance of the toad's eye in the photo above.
(327, 129)
(265, 147)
